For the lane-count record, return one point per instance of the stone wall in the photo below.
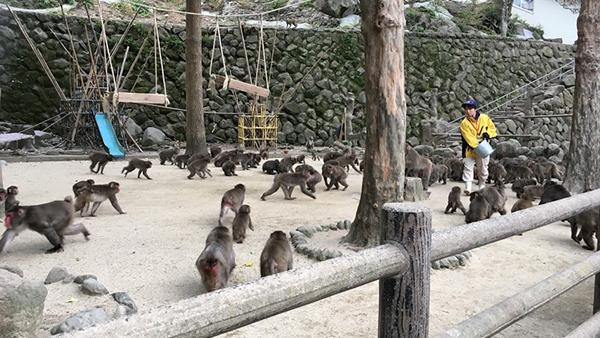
(317, 69)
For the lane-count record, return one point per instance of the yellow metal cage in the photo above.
(257, 128)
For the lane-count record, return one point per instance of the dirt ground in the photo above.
(150, 252)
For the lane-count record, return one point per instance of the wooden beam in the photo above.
(243, 86)
(123, 97)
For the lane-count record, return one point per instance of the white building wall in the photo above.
(557, 21)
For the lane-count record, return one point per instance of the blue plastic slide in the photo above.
(108, 136)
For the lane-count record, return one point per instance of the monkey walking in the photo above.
(53, 220)
(287, 182)
(136, 163)
(277, 255)
(101, 159)
(217, 260)
(336, 174)
(241, 221)
(81, 186)
(270, 167)
(454, 201)
(291, 22)
(199, 167)
(232, 199)
(168, 154)
(181, 161)
(97, 194)
(11, 199)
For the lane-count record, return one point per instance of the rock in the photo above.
(553, 91)
(413, 190)
(444, 152)
(505, 149)
(413, 141)
(511, 126)
(57, 274)
(79, 279)
(124, 299)
(133, 128)
(68, 279)
(92, 287)
(462, 259)
(552, 149)
(21, 305)
(307, 230)
(424, 150)
(435, 265)
(153, 136)
(347, 224)
(338, 8)
(81, 321)
(453, 261)
(13, 269)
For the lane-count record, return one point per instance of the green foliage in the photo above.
(539, 30)
(129, 9)
(278, 4)
(84, 3)
(348, 48)
(308, 4)
(481, 16)
(416, 16)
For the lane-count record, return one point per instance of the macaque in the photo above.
(229, 168)
(315, 176)
(217, 260)
(53, 220)
(332, 155)
(589, 225)
(545, 170)
(81, 186)
(346, 161)
(277, 255)
(532, 192)
(243, 159)
(11, 199)
(418, 166)
(181, 161)
(439, 174)
(232, 199)
(168, 154)
(214, 151)
(496, 172)
(285, 165)
(519, 185)
(199, 167)
(310, 143)
(136, 163)
(241, 222)
(301, 159)
(291, 22)
(270, 167)
(287, 182)
(479, 209)
(336, 174)
(521, 204)
(495, 198)
(101, 159)
(454, 201)
(97, 194)
(264, 152)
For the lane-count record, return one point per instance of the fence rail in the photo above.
(404, 298)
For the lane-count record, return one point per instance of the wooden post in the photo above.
(404, 298)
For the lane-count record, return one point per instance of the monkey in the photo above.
(136, 163)
(200, 167)
(11, 200)
(336, 175)
(222, 158)
(519, 185)
(546, 170)
(241, 221)
(181, 161)
(285, 165)
(532, 192)
(264, 152)
(243, 159)
(314, 179)
(101, 159)
(270, 167)
(197, 156)
(553, 192)
(332, 155)
(232, 199)
(519, 171)
(229, 168)
(497, 172)
(315, 157)
(277, 255)
(439, 174)
(589, 225)
(2, 194)
(479, 209)
(455, 167)
(291, 22)
(214, 151)
(346, 161)
(53, 220)
(254, 161)
(217, 260)
(97, 194)
(310, 143)
(287, 182)
(454, 201)
(301, 159)
(418, 166)
(168, 154)
(437, 159)
(303, 167)
(495, 198)
(521, 204)
(81, 186)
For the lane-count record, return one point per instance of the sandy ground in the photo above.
(150, 252)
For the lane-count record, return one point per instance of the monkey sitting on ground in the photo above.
(199, 167)
(291, 22)
(229, 168)
(479, 209)
(241, 222)
(168, 154)
(532, 192)
(136, 163)
(418, 166)
(519, 185)
(336, 174)
(554, 192)
(214, 151)
(53, 220)
(589, 225)
(495, 198)
(11, 200)
(521, 204)
(301, 159)
(454, 201)
(217, 260)
(181, 161)
(270, 167)
(81, 186)
(232, 199)
(439, 174)
(264, 152)
(97, 194)
(101, 159)
(496, 172)
(277, 255)
(287, 182)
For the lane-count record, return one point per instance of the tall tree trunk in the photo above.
(582, 167)
(504, 11)
(195, 133)
(383, 179)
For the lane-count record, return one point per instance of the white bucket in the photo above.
(484, 149)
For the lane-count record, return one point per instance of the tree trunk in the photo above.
(195, 133)
(583, 164)
(504, 11)
(383, 179)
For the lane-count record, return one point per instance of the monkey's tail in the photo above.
(273, 266)
(69, 199)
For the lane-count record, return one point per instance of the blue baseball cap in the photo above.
(470, 102)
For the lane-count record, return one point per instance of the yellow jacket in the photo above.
(472, 130)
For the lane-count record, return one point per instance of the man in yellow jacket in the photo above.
(475, 128)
